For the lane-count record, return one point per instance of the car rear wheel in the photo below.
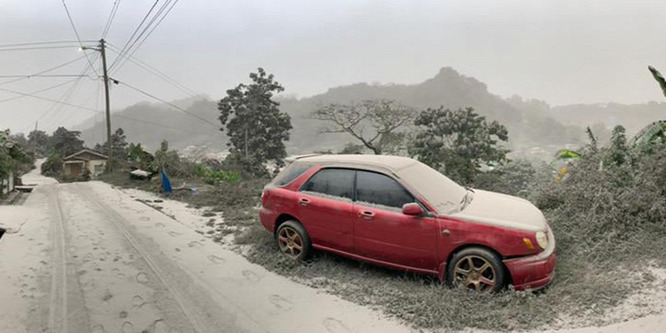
(293, 240)
(476, 269)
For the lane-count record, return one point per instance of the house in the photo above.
(76, 164)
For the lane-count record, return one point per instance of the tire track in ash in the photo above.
(67, 312)
(199, 320)
(58, 302)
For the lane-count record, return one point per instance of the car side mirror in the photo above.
(412, 209)
(2, 232)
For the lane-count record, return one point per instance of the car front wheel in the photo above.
(293, 240)
(476, 269)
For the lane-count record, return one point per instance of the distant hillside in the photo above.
(531, 123)
(633, 117)
(157, 122)
(449, 89)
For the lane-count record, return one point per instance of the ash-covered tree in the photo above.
(618, 151)
(458, 143)
(12, 155)
(254, 123)
(118, 145)
(66, 142)
(377, 124)
(40, 142)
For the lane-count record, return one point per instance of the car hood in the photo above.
(502, 210)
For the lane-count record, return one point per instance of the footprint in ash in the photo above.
(251, 276)
(144, 218)
(215, 259)
(195, 244)
(98, 329)
(335, 326)
(137, 302)
(142, 277)
(281, 304)
(128, 327)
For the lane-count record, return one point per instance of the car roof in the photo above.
(393, 163)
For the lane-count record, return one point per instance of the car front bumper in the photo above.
(536, 271)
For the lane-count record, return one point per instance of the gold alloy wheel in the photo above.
(290, 242)
(475, 273)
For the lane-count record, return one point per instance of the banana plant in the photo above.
(655, 131)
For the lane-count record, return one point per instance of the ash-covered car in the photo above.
(400, 213)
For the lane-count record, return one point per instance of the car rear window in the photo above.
(333, 182)
(290, 173)
(378, 189)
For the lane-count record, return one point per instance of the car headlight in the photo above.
(542, 240)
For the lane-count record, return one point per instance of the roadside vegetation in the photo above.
(15, 160)
(607, 211)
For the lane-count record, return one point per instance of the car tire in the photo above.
(476, 269)
(293, 240)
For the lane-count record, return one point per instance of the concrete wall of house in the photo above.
(96, 167)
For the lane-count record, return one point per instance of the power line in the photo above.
(77, 35)
(135, 31)
(112, 15)
(45, 70)
(150, 32)
(45, 43)
(148, 26)
(38, 91)
(168, 103)
(68, 94)
(44, 98)
(37, 48)
(188, 91)
(27, 76)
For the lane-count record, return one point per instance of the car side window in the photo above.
(292, 172)
(331, 182)
(378, 189)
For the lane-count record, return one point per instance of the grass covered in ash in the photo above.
(609, 222)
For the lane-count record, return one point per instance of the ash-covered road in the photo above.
(85, 257)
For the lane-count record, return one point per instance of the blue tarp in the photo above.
(166, 184)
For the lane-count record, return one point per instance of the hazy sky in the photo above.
(560, 51)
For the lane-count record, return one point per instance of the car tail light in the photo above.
(264, 197)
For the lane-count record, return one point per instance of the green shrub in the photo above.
(212, 177)
(52, 167)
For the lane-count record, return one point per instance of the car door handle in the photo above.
(304, 202)
(368, 215)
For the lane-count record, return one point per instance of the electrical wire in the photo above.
(45, 70)
(167, 103)
(155, 17)
(71, 21)
(37, 48)
(45, 43)
(189, 92)
(109, 21)
(27, 76)
(135, 31)
(37, 91)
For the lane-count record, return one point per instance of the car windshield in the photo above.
(440, 191)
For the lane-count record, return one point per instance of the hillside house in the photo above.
(75, 165)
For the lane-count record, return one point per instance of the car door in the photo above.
(383, 232)
(326, 208)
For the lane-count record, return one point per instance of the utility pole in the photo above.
(102, 45)
(102, 50)
(34, 144)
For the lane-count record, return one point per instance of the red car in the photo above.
(398, 212)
